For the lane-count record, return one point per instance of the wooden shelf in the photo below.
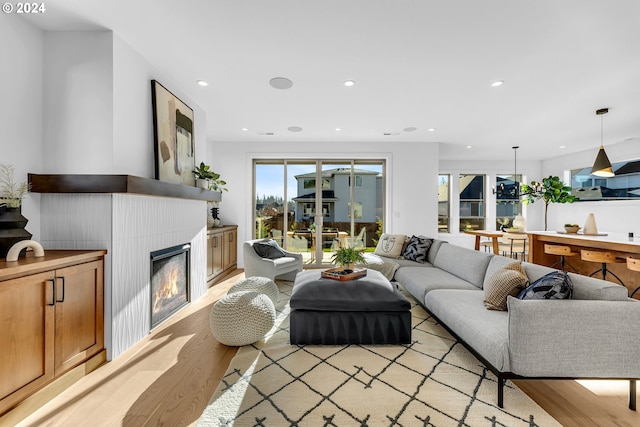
(117, 184)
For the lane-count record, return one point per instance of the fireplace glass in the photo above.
(169, 282)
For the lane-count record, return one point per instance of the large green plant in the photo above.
(551, 190)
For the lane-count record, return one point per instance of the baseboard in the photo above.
(34, 402)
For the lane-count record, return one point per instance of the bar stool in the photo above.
(633, 264)
(563, 251)
(604, 258)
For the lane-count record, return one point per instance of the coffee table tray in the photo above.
(335, 274)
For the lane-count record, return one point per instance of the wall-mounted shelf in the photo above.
(72, 183)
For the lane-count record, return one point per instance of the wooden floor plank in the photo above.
(168, 378)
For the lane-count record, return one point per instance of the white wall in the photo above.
(78, 102)
(21, 107)
(412, 170)
(613, 216)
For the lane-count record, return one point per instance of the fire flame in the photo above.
(168, 289)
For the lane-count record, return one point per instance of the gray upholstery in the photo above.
(285, 268)
(411, 279)
(487, 331)
(574, 338)
(468, 265)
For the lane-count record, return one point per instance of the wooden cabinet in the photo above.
(222, 251)
(52, 311)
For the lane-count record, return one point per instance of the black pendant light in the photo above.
(602, 165)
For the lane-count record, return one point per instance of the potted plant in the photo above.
(551, 190)
(11, 193)
(12, 223)
(206, 178)
(348, 257)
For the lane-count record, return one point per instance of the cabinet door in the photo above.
(79, 314)
(26, 336)
(230, 249)
(217, 253)
(210, 242)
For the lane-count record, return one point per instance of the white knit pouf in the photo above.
(242, 318)
(262, 285)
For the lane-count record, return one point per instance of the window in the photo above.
(443, 204)
(472, 209)
(625, 185)
(358, 180)
(507, 199)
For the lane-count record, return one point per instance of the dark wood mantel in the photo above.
(117, 184)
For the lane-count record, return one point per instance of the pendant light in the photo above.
(602, 165)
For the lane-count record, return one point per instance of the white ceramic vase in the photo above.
(590, 225)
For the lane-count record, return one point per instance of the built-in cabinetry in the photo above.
(222, 251)
(52, 319)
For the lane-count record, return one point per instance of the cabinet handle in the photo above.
(63, 289)
(215, 241)
(231, 237)
(53, 292)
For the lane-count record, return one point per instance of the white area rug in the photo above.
(434, 381)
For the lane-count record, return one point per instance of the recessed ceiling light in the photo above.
(431, 129)
(349, 83)
(563, 146)
(469, 146)
(294, 129)
(202, 83)
(280, 83)
(244, 129)
(338, 129)
(497, 83)
(410, 129)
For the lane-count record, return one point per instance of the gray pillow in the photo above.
(268, 249)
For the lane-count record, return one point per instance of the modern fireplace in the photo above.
(169, 282)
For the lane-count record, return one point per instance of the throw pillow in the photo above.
(554, 285)
(268, 249)
(508, 280)
(417, 248)
(390, 245)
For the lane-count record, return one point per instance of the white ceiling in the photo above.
(416, 64)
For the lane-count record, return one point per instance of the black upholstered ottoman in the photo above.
(369, 310)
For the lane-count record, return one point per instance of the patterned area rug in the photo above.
(434, 381)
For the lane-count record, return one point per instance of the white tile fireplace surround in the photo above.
(129, 227)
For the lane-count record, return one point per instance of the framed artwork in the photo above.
(173, 137)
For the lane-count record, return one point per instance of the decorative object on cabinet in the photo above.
(222, 252)
(551, 190)
(54, 311)
(11, 193)
(15, 250)
(173, 137)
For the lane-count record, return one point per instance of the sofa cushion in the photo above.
(486, 331)
(433, 250)
(417, 248)
(509, 280)
(465, 263)
(268, 249)
(419, 281)
(386, 266)
(554, 285)
(390, 245)
(590, 288)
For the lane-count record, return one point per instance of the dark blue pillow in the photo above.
(417, 248)
(554, 285)
(268, 249)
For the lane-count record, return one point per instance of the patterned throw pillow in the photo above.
(554, 285)
(390, 245)
(509, 280)
(417, 248)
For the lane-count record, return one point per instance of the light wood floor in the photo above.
(168, 378)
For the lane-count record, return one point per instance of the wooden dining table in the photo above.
(492, 234)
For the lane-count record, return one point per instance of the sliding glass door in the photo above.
(329, 204)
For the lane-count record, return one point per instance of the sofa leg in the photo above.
(500, 391)
(632, 395)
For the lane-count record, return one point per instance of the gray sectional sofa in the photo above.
(596, 334)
